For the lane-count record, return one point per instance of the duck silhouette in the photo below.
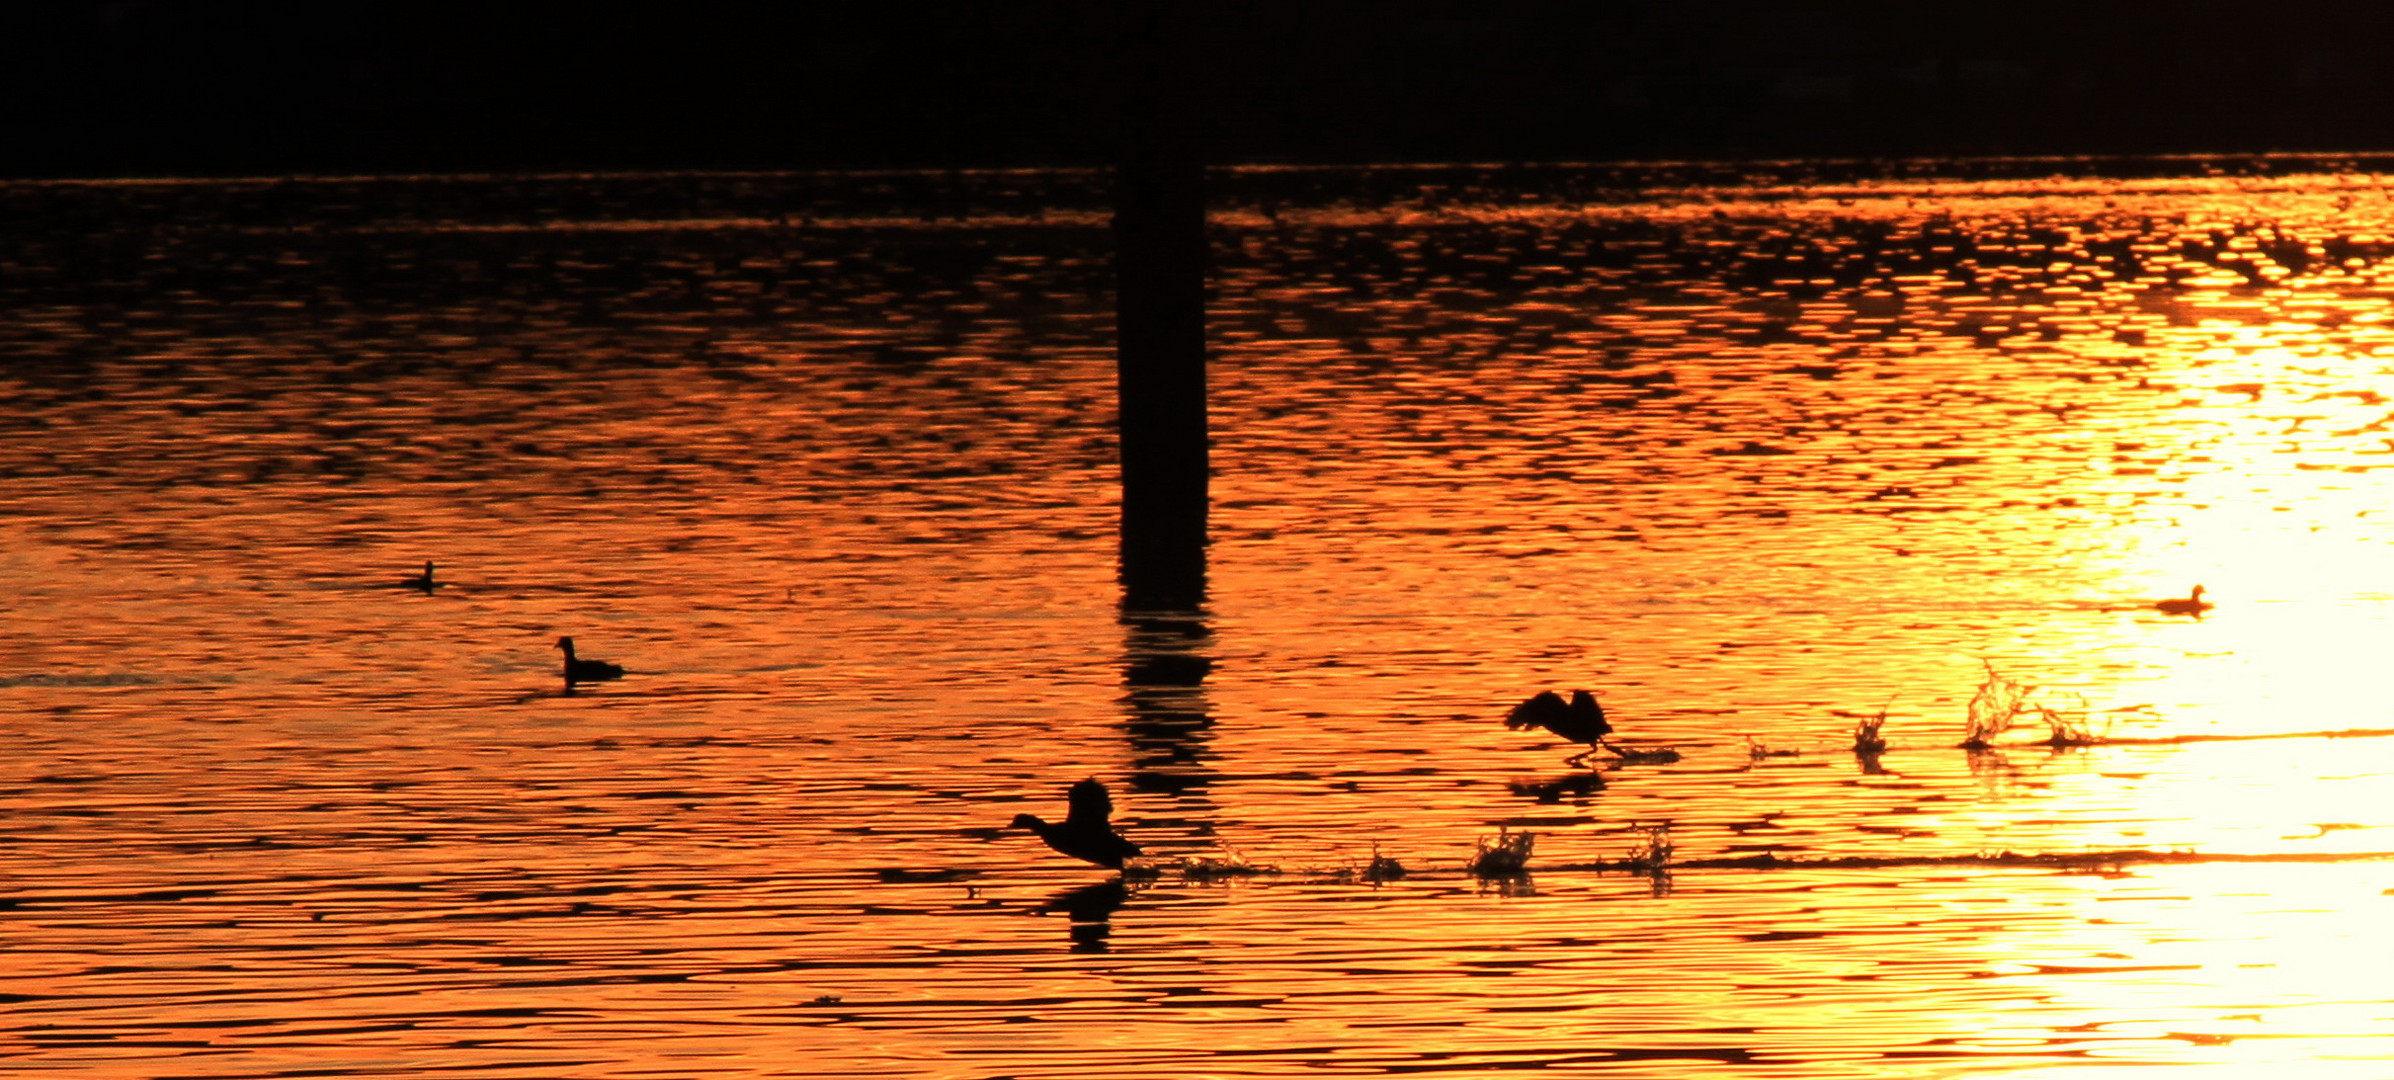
(2190, 604)
(1580, 720)
(1085, 832)
(422, 583)
(580, 670)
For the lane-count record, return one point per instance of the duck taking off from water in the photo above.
(422, 583)
(1085, 833)
(2190, 604)
(579, 670)
(1580, 720)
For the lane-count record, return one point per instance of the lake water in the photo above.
(826, 461)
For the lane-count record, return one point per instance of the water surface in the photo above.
(826, 461)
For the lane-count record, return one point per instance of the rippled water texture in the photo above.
(827, 463)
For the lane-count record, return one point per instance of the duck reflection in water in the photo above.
(1091, 910)
(1574, 786)
(1086, 833)
(1580, 720)
(580, 670)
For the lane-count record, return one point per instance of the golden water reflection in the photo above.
(1750, 460)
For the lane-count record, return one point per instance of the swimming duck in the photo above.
(578, 670)
(1580, 720)
(422, 582)
(1084, 833)
(2190, 604)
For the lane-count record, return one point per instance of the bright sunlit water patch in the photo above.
(827, 461)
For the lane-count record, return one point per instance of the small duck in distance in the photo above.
(580, 670)
(2190, 604)
(422, 583)
(1086, 833)
(1580, 720)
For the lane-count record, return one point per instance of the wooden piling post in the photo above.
(1159, 278)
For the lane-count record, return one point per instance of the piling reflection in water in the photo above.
(1757, 458)
(1164, 668)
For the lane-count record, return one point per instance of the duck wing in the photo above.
(1542, 710)
(1589, 717)
(1088, 806)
